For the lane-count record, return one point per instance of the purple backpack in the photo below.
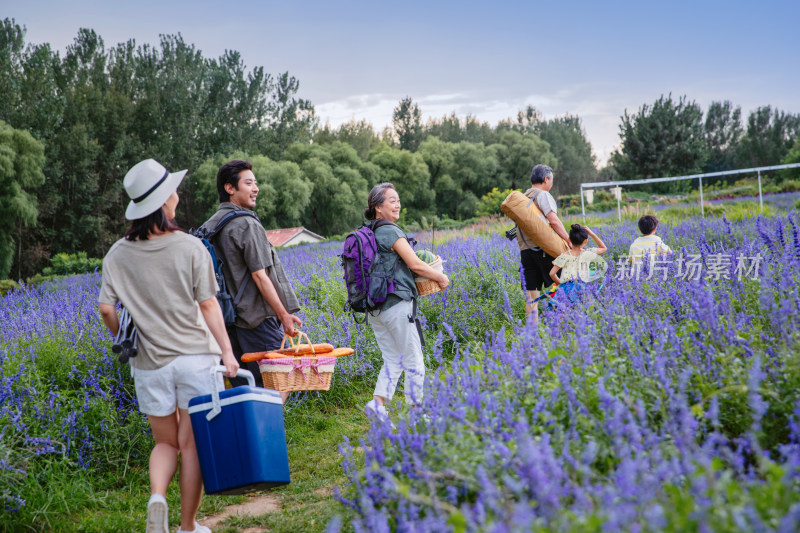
(368, 284)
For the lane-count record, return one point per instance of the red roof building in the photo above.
(291, 236)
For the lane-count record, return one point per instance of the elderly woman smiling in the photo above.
(393, 323)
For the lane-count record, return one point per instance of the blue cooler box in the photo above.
(241, 444)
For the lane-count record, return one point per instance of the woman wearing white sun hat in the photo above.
(165, 280)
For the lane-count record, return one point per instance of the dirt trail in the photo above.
(259, 505)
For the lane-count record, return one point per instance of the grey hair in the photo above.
(376, 197)
(539, 173)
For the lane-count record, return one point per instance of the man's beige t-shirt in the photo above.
(160, 281)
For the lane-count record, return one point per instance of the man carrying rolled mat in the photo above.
(536, 264)
(265, 311)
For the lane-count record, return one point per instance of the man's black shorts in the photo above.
(536, 265)
(266, 336)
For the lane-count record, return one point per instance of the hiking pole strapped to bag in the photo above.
(127, 339)
(414, 319)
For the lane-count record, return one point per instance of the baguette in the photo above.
(307, 349)
(279, 354)
(254, 356)
(339, 352)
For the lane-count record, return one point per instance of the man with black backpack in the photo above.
(253, 272)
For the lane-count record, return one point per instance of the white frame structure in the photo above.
(619, 183)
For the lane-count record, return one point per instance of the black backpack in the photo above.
(227, 303)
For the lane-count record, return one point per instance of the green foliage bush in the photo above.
(7, 285)
(570, 204)
(38, 279)
(67, 264)
(792, 157)
(734, 212)
(745, 187)
(490, 202)
(791, 185)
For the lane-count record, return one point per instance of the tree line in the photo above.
(71, 126)
(674, 137)
(97, 111)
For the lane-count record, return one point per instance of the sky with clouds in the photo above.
(356, 59)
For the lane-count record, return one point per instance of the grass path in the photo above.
(314, 430)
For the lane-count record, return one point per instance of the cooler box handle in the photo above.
(216, 408)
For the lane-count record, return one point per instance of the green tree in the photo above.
(291, 119)
(517, 154)
(358, 134)
(73, 204)
(439, 157)
(526, 121)
(475, 131)
(476, 167)
(448, 128)
(407, 122)
(662, 139)
(21, 162)
(410, 176)
(723, 131)
(452, 129)
(568, 143)
(560, 143)
(341, 182)
(12, 46)
(460, 174)
(284, 193)
(100, 111)
(769, 136)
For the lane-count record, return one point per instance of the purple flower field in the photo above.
(660, 404)
(667, 404)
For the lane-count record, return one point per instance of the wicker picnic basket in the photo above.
(300, 372)
(426, 286)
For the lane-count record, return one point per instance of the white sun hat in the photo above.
(149, 185)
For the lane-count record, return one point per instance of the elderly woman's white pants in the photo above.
(400, 345)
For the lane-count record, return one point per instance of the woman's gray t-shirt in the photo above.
(405, 288)
(160, 281)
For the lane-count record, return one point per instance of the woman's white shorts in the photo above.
(164, 389)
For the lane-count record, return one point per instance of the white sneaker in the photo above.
(157, 514)
(374, 409)
(197, 529)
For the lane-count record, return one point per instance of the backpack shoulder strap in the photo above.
(379, 222)
(221, 224)
(228, 217)
(534, 196)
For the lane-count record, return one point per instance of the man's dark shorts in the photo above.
(536, 267)
(266, 336)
